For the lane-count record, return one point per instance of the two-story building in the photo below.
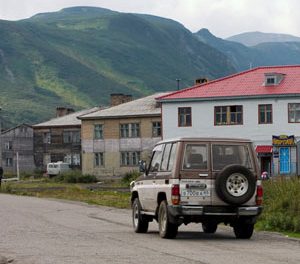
(116, 138)
(262, 104)
(17, 149)
(59, 138)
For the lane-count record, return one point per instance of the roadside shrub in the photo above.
(281, 205)
(38, 173)
(129, 177)
(75, 176)
(25, 175)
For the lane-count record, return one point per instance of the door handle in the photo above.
(203, 174)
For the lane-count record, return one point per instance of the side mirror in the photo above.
(142, 166)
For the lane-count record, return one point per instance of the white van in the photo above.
(55, 168)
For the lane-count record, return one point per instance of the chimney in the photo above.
(119, 98)
(62, 111)
(201, 80)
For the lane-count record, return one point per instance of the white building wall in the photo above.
(203, 120)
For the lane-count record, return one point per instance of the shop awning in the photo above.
(264, 149)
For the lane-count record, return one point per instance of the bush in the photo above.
(281, 205)
(130, 176)
(75, 176)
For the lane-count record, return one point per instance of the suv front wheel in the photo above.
(140, 224)
(166, 228)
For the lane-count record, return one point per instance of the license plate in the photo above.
(195, 193)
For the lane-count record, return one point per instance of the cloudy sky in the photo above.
(223, 18)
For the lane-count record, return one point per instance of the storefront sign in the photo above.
(283, 140)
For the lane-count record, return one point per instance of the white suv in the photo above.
(201, 180)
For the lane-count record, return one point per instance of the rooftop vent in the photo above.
(119, 98)
(273, 78)
(62, 111)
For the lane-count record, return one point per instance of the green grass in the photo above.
(281, 205)
(76, 192)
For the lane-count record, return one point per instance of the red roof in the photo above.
(247, 83)
(264, 149)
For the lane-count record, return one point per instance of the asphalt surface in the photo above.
(37, 230)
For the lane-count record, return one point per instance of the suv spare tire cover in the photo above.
(235, 184)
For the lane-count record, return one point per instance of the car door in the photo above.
(196, 181)
(148, 184)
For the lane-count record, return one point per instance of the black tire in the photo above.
(235, 184)
(209, 227)
(243, 230)
(166, 228)
(140, 223)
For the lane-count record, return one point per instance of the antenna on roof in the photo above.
(250, 65)
(178, 81)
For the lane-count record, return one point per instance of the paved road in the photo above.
(49, 231)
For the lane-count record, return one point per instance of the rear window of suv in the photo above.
(224, 155)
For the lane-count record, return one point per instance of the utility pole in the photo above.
(178, 81)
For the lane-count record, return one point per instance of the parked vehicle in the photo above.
(208, 181)
(55, 168)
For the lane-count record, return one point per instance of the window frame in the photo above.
(156, 129)
(100, 131)
(130, 130)
(99, 159)
(129, 157)
(228, 114)
(186, 112)
(8, 145)
(289, 113)
(47, 137)
(265, 111)
(9, 162)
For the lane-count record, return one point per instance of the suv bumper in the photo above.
(179, 210)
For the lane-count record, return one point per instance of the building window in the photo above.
(135, 130)
(9, 162)
(124, 130)
(71, 137)
(156, 129)
(47, 138)
(270, 80)
(265, 114)
(99, 159)
(130, 158)
(8, 145)
(294, 113)
(130, 130)
(72, 159)
(67, 135)
(184, 116)
(229, 115)
(98, 131)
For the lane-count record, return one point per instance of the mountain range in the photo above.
(78, 56)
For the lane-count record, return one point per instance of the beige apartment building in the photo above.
(116, 138)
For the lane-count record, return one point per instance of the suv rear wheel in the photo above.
(243, 230)
(166, 228)
(140, 224)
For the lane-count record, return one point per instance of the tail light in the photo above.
(259, 194)
(175, 194)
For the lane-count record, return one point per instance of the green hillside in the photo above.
(78, 56)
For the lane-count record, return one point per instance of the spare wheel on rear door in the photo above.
(235, 184)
